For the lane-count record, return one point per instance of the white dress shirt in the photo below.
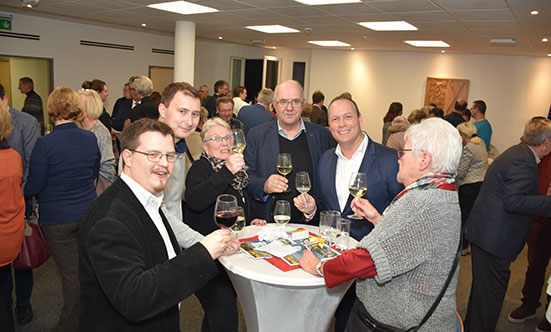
(151, 203)
(345, 168)
(282, 132)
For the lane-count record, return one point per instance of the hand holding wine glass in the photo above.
(358, 188)
(239, 143)
(284, 165)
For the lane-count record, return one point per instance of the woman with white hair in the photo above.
(470, 173)
(403, 264)
(93, 108)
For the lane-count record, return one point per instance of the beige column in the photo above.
(184, 52)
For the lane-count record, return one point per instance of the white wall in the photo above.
(74, 63)
(515, 88)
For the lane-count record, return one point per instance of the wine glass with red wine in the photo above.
(225, 211)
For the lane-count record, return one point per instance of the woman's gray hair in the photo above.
(211, 123)
(439, 138)
(536, 131)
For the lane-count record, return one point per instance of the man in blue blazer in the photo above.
(356, 152)
(288, 134)
(500, 220)
(253, 115)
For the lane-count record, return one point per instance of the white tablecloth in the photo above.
(273, 300)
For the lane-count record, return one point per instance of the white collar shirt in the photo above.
(151, 204)
(282, 132)
(345, 168)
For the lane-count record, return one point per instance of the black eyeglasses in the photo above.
(401, 152)
(155, 157)
(285, 102)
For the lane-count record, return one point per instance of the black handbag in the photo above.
(364, 322)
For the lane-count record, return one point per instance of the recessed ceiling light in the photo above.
(388, 26)
(352, 49)
(220, 37)
(273, 47)
(183, 7)
(29, 6)
(534, 12)
(326, 2)
(144, 25)
(328, 43)
(545, 40)
(443, 51)
(549, 54)
(272, 28)
(426, 43)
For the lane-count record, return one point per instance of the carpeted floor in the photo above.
(46, 300)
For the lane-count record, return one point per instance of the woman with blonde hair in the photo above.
(63, 167)
(470, 172)
(92, 107)
(12, 216)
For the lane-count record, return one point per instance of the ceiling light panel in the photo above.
(272, 28)
(326, 2)
(328, 43)
(427, 43)
(389, 26)
(183, 7)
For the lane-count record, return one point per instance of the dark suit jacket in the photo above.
(210, 105)
(318, 116)
(127, 282)
(122, 113)
(253, 115)
(500, 219)
(381, 165)
(261, 157)
(146, 109)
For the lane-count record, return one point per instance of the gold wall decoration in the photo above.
(445, 91)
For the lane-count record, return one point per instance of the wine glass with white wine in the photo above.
(284, 165)
(240, 223)
(303, 184)
(239, 142)
(282, 212)
(357, 188)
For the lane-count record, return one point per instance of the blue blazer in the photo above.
(261, 157)
(253, 115)
(381, 165)
(502, 213)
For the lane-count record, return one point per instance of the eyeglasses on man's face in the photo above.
(218, 139)
(401, 152)
(285, 102)
(155, 156)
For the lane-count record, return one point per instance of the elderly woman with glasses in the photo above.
(218, 171)
(403, 264)
(63, 168)
(93, 108)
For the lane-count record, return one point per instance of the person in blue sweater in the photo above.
(63, 167)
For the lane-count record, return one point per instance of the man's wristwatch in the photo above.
(319, 269)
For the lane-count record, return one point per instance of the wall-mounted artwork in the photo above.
(445, 91)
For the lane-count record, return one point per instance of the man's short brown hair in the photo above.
(170, 91)
(224, 100)
(130, 136)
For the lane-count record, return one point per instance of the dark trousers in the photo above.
(62, 241)
(218, 300)
(6, 315)
(490, 278)
(539, 253)
(23, 285)
(467, 195)
(345, 307)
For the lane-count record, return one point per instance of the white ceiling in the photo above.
(467, 25)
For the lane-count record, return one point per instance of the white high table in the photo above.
(273, 300)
